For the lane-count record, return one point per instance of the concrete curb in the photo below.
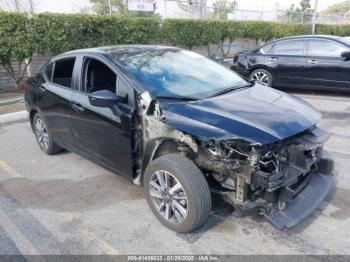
(13, 117)
(11, 100)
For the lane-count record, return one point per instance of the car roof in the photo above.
(329, 37)
(119, 49)
(113, 51)
(311, 36)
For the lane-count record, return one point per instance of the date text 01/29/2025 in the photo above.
(173, 258)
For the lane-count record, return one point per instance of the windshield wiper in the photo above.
(181, 98)
(232, 88)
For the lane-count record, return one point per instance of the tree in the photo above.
(16, 45)
(222, 7)
(339, 9)
(302, 13)
(305, 5)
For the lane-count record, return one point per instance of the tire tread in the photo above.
(195, 181)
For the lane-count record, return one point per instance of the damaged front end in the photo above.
(285, 181)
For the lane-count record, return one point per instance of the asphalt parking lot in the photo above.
(65, 204)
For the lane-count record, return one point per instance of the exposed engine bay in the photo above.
(250, 176)
(270, 175)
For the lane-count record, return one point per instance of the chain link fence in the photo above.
(202, 10)
(192, 9)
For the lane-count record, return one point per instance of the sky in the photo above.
(271, 4)
(72, 6)
(61, 6)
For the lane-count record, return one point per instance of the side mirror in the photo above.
(103, 98)
(345, 54)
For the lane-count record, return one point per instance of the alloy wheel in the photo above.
(261, 78)
(41, 133)
(168, 196)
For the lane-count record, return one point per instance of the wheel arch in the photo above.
(156, 148)
(167, 146)
(32, 113)
(260, 66)
(264, 67)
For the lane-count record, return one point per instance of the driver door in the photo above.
(98, 132)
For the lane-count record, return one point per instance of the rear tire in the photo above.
(261, 76)
(43, 136)
(182, 210)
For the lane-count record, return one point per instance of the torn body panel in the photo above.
(153, 131)
(250, 174)
(268, 178)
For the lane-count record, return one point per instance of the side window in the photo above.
(124, 92)
(320, 47)
(48, 71)
(63, 72)
(98, 76)
(290, 47)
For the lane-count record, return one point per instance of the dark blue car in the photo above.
(184, 127)
(318, 62)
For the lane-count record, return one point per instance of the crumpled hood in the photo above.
(258, 114)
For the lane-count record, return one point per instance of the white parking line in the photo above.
(12, 117)
(22, 243)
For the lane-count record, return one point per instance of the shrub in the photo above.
(56, 33)
(15, 44)
(21, 36)
(183, 32)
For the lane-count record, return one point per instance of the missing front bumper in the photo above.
(303, 204)
(307, 200)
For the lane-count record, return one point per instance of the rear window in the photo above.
(290, 47)
(63, 72)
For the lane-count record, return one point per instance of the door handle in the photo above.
(78, 108)
(42, 88)
(273, 59)
(312, 61)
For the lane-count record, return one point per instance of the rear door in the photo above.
(53, 98)
(286, 59)
(325, 68)
(103, 134)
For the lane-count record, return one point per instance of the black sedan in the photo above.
(301, 62)
(149, 113)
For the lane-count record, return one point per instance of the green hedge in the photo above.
(21, 36)
(55, 33)
(15, 37)
(16, 44)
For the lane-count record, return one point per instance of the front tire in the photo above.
(177, 193)
(261, 76)
(43, 136)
